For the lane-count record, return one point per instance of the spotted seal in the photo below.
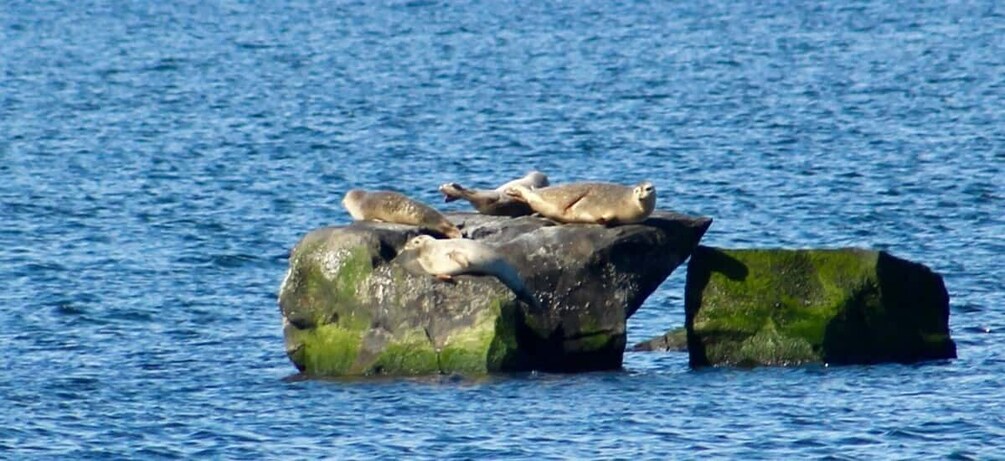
(590, 202)
(447, 258)
(392, 207)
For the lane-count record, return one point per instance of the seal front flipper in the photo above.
(575, 201)
(459, 258)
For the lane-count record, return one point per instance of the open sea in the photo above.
(158, 160)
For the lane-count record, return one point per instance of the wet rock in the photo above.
(674, 340)
(781, 307)
(354, 303)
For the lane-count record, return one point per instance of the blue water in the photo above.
(157, 162)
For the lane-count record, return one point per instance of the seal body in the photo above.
(447, 258)
(392, 207)
(590, 202)
(496, 202)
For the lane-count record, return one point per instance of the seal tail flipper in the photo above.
(518, 192)
(451, 191)
(512, 280)
(529, 298)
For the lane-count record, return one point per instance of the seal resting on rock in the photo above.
(496, 202)
(392, 207)
(447, 258)
(590, 202)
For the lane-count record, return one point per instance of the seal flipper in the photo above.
(451, 191)
(575, 201)
(459, 258)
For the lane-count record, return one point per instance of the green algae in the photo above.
(777, 307)
(328, 350)
(325, 302)
(592, 342)
(410, 353)
(485, 346)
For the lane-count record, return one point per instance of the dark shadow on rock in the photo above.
(704, 261)
(904, 319)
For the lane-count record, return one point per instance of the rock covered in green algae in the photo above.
(354, 303)
(779, 307)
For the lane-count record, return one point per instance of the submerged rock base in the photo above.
(674, 340)
(353, 303)
(780, 307)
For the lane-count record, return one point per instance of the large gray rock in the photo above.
(354, 303)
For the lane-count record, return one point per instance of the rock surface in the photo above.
(779, 307)
(354, 303)
(674, 340)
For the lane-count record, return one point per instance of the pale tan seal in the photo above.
(496, 202)
(392, 207)
(590, 202)
(447, 258)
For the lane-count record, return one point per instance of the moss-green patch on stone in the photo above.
(328, 350)
(767, 347)
(484, 346)
(410, 353)
(593, 342)
(322, 283)
(795, 306)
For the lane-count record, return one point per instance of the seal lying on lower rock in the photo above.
(392, 207)
(590, 202)
(496, 202)
(447, 258)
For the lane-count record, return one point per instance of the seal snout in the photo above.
(645, 189)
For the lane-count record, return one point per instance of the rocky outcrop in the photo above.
(354, 303)
(779, 307)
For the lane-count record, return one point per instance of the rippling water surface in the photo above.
(157, 162)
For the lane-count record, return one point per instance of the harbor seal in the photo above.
(496, 202)
(447, 258)
(392, 207)
(590, 202)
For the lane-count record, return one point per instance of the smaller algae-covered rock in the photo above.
(843, 306)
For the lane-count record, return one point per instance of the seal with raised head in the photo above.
(496, 202)
(590, 202)
(447, 258)
(392, 207)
